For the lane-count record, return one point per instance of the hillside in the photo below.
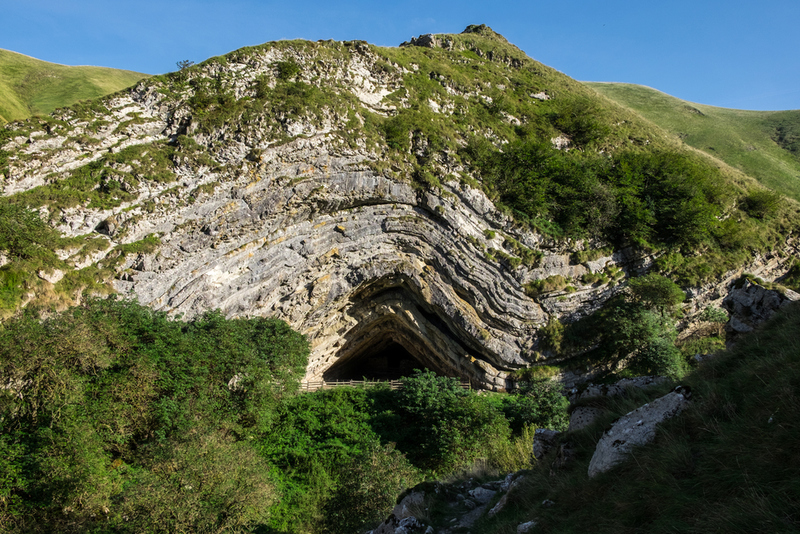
(29, 86)
(178, 257)
(376, 197)
(762, 144)
(728, 463)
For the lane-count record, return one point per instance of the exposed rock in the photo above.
(53, 277)
(635, 429)
(583, 416)
(752, 304)
(410, 505)
(482, 495)
(427, 40)
(471, 517)
(543, 441)
(524, 528)
(297, 222)
(236, 383)
(618, 388)
(562, 142)
(406, 525)
(564, 456)
(506, 483)
(501, 504)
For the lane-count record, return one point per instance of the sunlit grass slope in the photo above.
(30, 86)
(730, 463)
(762, 144)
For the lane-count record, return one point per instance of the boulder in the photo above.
(635, 429)
(482, 495)
(501, 504)
(407, 525)
(543, 441)
(583, 416)
(618, 388)
(752, 304)
(409, 505)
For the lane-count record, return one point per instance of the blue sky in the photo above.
(730, 53)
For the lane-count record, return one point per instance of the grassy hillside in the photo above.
(762, 144)
(475, 108)
(729, 464)
(29, 86)
(119, 420)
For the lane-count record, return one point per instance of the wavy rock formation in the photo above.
(299, 216)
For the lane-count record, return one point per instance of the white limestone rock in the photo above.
(635, 429)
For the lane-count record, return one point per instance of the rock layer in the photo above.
(287, 216)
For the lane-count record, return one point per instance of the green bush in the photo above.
(286, 70)
(114, 411)
(538, 404)
(763, 204)
(450, 425)
(657, 292)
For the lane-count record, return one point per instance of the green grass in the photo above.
(30, 86)
(729, 463)
(761, 144)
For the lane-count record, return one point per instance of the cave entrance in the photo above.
(384, 361)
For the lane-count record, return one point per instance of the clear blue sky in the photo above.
(728, 53)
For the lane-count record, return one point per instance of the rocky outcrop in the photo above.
(310, 231)
(635, 429)
(583, 416)
(465, 504)
(302, 218)
(543, 441)
(619, 387)
(751, 304)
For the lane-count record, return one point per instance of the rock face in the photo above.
(635, 429)
(543, 440)
(299, 217)
(308, 229)
(752, 304)
(617, 388)
(583, 416)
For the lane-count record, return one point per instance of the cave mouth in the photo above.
(383, 361)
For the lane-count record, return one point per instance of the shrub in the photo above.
(714, 315)
(538, 404)
(118, 416)
(656, 291)
(451, 425)
(286, 70)
(535, 288)
(762, 204)
(368, 488)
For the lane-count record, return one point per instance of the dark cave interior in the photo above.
(384, 361)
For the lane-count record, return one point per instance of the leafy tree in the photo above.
(539, 404)
(450, 424)
(656, 292)
(111, 403)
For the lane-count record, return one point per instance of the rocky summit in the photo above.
(280, 181)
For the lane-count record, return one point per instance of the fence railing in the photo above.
(315, 385)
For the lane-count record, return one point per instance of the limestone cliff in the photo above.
(261, 187)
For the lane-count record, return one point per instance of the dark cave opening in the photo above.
(385, 361)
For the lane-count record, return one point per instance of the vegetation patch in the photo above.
(119, 415)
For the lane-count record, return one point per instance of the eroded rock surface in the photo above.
(293, 217)
(635, 429)
(752, 304)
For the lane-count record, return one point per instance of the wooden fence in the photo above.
(325, 384)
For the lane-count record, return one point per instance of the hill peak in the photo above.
(483, 29)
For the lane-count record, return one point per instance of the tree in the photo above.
(184, 64)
